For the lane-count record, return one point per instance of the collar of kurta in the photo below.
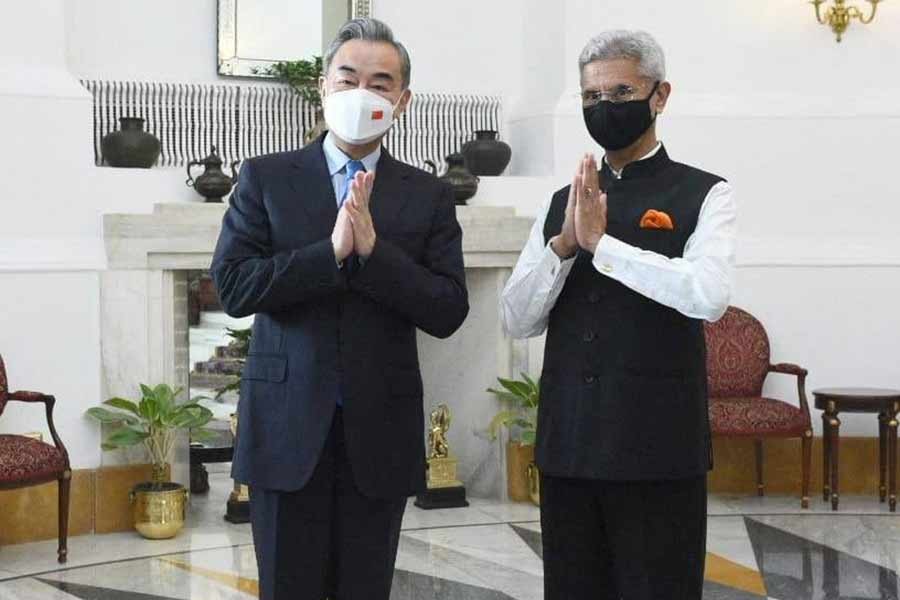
(654, 162)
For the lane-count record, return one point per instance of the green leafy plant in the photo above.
(523, 396)
(240, 345)
(153, 421)
(301, 75)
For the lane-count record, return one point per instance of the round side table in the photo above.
(883, 402)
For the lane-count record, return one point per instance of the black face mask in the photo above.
(617, 126)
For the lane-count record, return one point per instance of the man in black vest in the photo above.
(621, 270)
(342, 252)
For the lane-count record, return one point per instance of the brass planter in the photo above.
(158, 510)
(518, 457)
(534, 484)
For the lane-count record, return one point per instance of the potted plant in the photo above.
(521, 422)
(302, 76)
(158, 506)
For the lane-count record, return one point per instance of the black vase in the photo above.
(486, 155)
(458, 176)
(131, 146)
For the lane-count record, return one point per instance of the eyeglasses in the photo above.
(618, 95)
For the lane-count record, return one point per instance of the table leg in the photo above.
(835, 443)
(882, 456)
(892, 462)
(826, 458)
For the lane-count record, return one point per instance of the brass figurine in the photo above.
(444, 489)
(437, 435)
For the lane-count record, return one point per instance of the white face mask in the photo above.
(358, 116)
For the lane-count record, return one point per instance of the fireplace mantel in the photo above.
(179, 236)
(144, 326)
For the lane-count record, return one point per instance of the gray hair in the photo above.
(370, 30)
(620, 43)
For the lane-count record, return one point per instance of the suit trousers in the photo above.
(326, 540)
(616, 540)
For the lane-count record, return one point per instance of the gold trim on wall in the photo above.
(31, 514)
(98, 503)
(734, 469)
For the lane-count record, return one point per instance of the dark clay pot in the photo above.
(458, 176)
(486, 155)
(131, 146)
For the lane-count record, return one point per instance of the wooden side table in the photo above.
(883, 402)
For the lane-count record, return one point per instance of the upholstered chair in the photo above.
(737, 366)
(25, 461)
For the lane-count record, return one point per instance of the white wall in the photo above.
(159, 40)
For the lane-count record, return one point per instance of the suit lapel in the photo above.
(312, 185)
(389, 195)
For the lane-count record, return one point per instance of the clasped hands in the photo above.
(585, 221)
(354, 231)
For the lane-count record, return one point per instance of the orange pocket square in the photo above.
(655, 219)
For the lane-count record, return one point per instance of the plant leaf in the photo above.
(516, 387)
(126, 436)
(506, 396)
(502, 418)
(108, 416)
(528, 437)
(124, 404)
(528, 380)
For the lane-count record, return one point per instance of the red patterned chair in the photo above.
(737, 366)
(26, 462)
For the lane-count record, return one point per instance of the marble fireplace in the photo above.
(144, 328)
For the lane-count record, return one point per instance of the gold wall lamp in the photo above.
(840, 15)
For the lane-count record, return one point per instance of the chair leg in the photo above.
(760, 487)
(64, 485)
(806, 460)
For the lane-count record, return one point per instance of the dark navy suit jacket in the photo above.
(323, 332)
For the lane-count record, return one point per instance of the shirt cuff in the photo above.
(612, 255)
(552, 267)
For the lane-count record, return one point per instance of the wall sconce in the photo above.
(840, 15)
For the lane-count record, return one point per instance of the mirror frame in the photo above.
(232, 65)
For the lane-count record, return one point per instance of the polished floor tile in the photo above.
(757, 549)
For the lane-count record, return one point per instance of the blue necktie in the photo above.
(351, 169)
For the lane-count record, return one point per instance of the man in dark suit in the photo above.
(341, 252)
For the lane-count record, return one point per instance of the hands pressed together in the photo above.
(354, 232)
(585, 221)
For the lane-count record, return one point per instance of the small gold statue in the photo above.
(444, 489)
(437, 435)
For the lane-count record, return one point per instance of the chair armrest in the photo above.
(23, 396)
(789, 369)
(800, 373)
(49, 402)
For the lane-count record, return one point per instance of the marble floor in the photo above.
(758, 549)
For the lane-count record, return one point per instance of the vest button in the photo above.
(589, 379)
(588, 336)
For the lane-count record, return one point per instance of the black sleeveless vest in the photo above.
(623, 389)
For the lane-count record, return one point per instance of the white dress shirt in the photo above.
(698, 284)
